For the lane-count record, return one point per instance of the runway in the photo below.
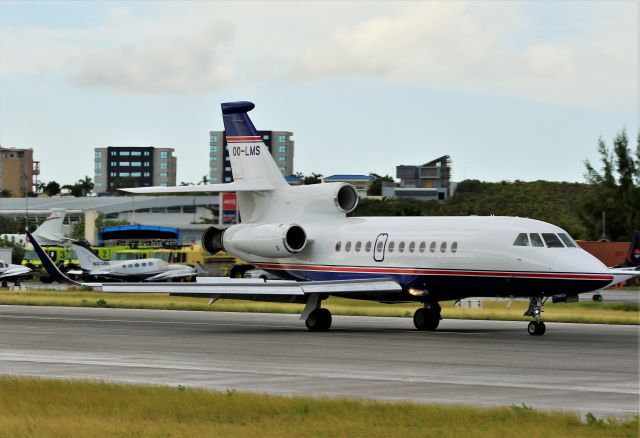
(576, 367)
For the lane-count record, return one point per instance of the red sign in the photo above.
(228, 208)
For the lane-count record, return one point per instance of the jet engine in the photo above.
(326, 198)
(264, 240)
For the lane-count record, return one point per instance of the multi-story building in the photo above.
(17, 170)
(280, 144)
(427, 182)
(133, 166)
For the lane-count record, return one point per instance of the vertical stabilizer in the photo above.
(251, 161)
(88, 260)
(50, 231)
(633, 255)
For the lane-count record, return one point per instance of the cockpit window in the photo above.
(552, 240)
(536, 240)
(521, 240)
(567, 240)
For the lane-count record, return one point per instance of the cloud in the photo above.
(482, 47)
(182, 65)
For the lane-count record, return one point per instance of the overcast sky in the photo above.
(510, 90)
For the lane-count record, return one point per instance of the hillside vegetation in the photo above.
(559, 203)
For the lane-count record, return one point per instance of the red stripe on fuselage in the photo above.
(417, 271)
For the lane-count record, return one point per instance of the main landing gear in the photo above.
(428, 317)
(536, 327)
(315, 317)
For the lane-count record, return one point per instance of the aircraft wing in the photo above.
(216, 288)
(236, 186)
(622, 274)
(172, 274)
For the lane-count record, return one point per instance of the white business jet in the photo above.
(302, 234)
(130, 270)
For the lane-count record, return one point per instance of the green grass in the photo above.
(584, 312)
(55, 408)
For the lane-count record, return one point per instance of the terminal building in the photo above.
(133, 166)
(280, 144)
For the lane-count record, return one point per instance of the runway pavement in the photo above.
(577, 367)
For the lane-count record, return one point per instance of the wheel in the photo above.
(319, 320)
(17, 282)
(597, 297)
(46, 280)
(426, 319)
(4, 284)
(536, 328)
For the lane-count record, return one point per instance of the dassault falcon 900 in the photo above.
(302, 234)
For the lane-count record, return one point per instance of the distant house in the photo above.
(360, 182)
(428, 181)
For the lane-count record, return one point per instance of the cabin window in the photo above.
(567, 240)
(536, 240)
(432, 247)
(443, 247)
(367, 247)
(392, 245)
(338, 245)
(358, 246)
(401, 246)
(347, 246)
(137, 265)
(412, 247)
(379, 246)
(144, 264)
(521, 240)
(130, 266)
(150, 263)
(423, 246)
(454, 247)
(552, 240)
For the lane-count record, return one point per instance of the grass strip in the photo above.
(56, 408)
(582, 312)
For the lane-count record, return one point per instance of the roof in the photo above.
(138, 232)
(347, 177)
(104, 204)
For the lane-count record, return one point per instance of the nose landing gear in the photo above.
(536, 327)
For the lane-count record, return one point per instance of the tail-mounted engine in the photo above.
(264, 240)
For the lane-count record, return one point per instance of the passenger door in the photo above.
(380, 247)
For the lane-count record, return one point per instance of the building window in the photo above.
(165, 174)
(136, 174)
(214, 158)
(214, 138)
(121, 174)
(124, 153)
(98, 154)
(136, 164)
(213, 149)
(265, 137)
(282, 138)
(173, 209)
(136, 153)
(164, 154)
(282, 158)
(147, 174)
(114, 153)
(214, 178)
(146, 164)
(146, 153)
(164, 165)
(282, 149)
(282, 169)
(113, 174)
(227, 169)
(124, 163)
(114, 163)
(97, 184)
(226, 158)
(98, 165)
(163, 184)
(98, 173)
(227, 179)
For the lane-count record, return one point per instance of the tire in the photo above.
(536, 328)
(319, 320)
(597, 297)
(426, 319)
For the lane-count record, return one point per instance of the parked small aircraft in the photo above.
(302, 235)
(11, 272)
(130, 270)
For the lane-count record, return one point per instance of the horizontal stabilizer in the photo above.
(236, 186)
(622, 274)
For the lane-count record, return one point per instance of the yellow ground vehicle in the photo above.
(133, 254)
(31, 260)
